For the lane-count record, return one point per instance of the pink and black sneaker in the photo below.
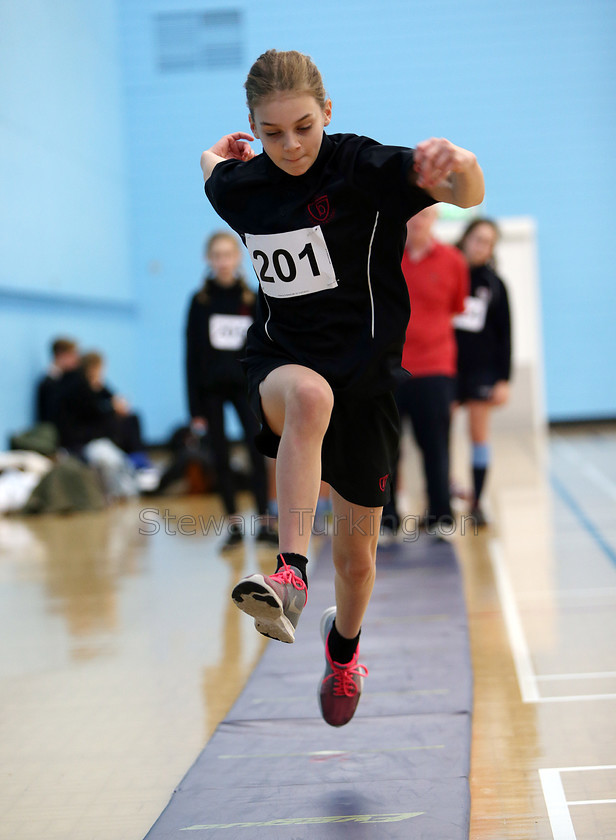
(274, 601)
(341, 685)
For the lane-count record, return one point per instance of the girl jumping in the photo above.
(323, 217)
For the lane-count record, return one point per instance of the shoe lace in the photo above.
(342, 675)
(287, 575)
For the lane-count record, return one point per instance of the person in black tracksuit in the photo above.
(58, 379)
(219, 316)
(88, 410)
(324, 220)
(483, 334)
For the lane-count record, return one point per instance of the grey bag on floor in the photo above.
(69, 486)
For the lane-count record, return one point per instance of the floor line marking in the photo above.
(577, 511)
(527, 678)
(517, 640)
(571, 698)
(556, 804)
(556, 801)
(598, 675)
(568, 594)
(586, 767)
(592, 802)
(596, 475)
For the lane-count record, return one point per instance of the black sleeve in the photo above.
(219, 186)
(102, 402)
(502, 326)
(44, 409)
(192, 360)
(386, 173)
(84, 405)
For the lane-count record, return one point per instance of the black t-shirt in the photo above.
(483, 331)
(327, 247)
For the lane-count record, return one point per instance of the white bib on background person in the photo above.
(293, 263)
(228, 332)
(473, 318)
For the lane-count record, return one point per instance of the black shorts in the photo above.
(477, 385)
(360, 447)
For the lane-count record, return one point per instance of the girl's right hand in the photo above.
(233, 147)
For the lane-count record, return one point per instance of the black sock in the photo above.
(297, 560)
(479, 477)
(340, 649)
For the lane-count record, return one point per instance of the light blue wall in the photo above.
(105, 198)
(64, 239)
(169, 118)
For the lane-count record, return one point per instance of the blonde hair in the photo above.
(203, 295)
(275, 72)
(217, 236)
(91, 360)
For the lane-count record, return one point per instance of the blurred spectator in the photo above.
(190, 462)
(65, 361)
(219, 316)
(89, 411)
(437, 280)
(483, 334)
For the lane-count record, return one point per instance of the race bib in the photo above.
(293, 263)
(228, 332)
(473, 318)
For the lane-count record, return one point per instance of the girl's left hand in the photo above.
(436, 158)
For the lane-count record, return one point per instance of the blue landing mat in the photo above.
(398, 770)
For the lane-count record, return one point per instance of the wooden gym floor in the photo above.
(121, 651)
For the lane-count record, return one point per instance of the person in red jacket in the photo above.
(437, 278)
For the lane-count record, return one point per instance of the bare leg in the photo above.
(297, 404)
(356, 532)
(479, 420)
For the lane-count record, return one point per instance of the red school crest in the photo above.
(319, 209)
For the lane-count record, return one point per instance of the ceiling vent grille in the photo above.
(194, 41)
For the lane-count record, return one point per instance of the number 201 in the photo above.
(284, 264)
